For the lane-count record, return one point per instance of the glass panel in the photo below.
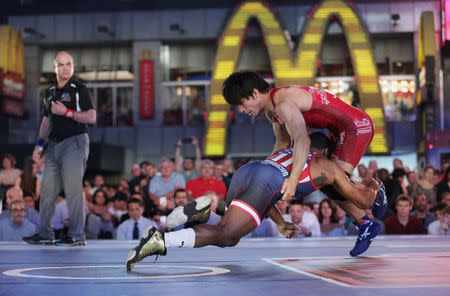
(398, 94)
(104, 106)
(196, 104)
(399, 99)
(173, 114)
(124, 106)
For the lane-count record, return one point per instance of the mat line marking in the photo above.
(19, 272)
(272, 261)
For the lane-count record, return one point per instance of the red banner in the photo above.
(146, 89)
(13, 86)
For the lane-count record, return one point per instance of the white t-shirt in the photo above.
(435, 228)
(309, 220)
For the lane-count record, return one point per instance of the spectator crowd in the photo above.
(419, 202)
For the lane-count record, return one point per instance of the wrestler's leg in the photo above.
(234, 225)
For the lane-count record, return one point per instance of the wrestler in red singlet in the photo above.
(352, 129)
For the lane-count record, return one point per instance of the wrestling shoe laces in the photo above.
(151, 243)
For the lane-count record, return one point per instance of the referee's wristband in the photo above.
(40, 142)
(69, 113)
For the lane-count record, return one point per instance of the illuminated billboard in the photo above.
(285, 70)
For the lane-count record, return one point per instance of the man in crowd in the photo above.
(403, 222)
(206, 182)
(135, 225)
(188, 167)
(421, 211)
(15, 193)
(162, 187)
(441, 226)
(306, 221)
(16, 226)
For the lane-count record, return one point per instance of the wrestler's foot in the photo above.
(151, 243)
(198, 210)
(366, 233)
(380, 204)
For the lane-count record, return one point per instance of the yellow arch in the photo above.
(287, 72)
(11, 50)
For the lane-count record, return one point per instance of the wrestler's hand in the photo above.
(304, 230)
(288, 189)
(288, 229)
(371, 183)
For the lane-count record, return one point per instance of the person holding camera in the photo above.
(187, 166)
(162, 187)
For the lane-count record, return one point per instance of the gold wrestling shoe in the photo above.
(151, 243)
(197, 211)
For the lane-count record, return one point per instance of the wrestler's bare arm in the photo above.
(327, 172)
(282, 137)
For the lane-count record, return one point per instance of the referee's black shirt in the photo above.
(74, 95)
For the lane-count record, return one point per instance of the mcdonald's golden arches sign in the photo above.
(285, 70)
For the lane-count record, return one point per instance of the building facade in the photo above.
(183, 43)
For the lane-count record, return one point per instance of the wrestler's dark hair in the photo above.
(319, 141)
(240, 85)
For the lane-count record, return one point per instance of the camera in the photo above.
(186, 140)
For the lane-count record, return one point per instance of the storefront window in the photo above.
(113, 102)
(186, 103)
(104, 107)
(399, 99)
(124, 106)
(196, 104)
(173, 113)
(397, 91)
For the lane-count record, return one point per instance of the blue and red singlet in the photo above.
(255, 187)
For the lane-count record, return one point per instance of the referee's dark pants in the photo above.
(64, 166)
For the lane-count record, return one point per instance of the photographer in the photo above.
(188, 167)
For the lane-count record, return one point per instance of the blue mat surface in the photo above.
(394, 265)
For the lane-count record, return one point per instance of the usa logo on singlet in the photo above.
(284, 158)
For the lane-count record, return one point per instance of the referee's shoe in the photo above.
(36, 239)
(69, 241)
(151, 243)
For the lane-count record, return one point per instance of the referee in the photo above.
(67, 111)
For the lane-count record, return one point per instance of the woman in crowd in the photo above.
(99, 207)
(27, 181)
(9, 174)
(425, 185)
(329, 222)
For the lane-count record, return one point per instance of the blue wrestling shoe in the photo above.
(380, 204)
(366, 233)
